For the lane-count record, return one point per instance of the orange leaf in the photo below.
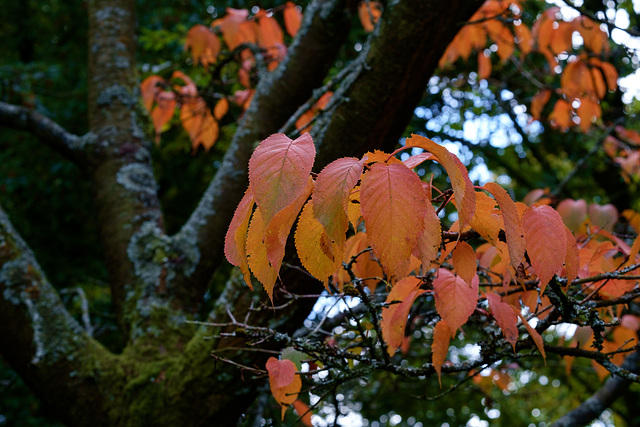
(572, 257)
(588, 111)
(235, 241)
(163, 111)
(149, 89)
(199, 123)
(484, 66)
(221, 108)
(414, 161)
(204, 45)
(331, 196)
(506, 317)
(538, 102)
(395, 316)
(463, 190)
(512, 224)
(369, 13)
(431, 238)
(303, 411)
(365, 267)
(441, 337)
(393, 204)
(545, 235)
(257, 254)
(487, 220)
(316, 254)
(285, 384)
(278, 172)
(455, 299)
(535, 336)
(229, 25)
(561, 115)
(292, 18)
(464, 261)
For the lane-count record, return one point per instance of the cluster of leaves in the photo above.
(585, 76)
(397, 238)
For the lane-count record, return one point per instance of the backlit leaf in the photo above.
(285, 384)
(292, 18)
(505, 316)
(257, 254)
(455, 299)
(462, 186)
(278, 172)
(198, 121)
(203, 44)
(235, 241)
(464, 261)
(535, 336)
(545, 235)
(331, 196)
(441, 337)
(430, 239)
(395, 316)
(512, 224)
(317, 255)
(393, 204)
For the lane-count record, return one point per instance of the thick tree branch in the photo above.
(277, 97)
(602, 399)
(51, 133)
(39, 338)
(377, 103)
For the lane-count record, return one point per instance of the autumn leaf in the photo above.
(230, 26)
(393, 204)
(199, 123)
(487, 220)
(395, 316)
(292, 18)
(285, 384)
(484, 66)
(203, 44)
(572, 257)
(369, 13)
(506, 318)
(149, 89)
(331, 196)
(573, 213)
(366, 266)
(163, 111)
(442, 334)
(462, 186)
(303, 411)
(535, 336)
(545, 235)
(416, 160)
(455, 299)
(278, 172)
(464, 261)
(430, 239)
(512, 224)
(259, 265)
(538, 102)
(236, 238)
(317, 255)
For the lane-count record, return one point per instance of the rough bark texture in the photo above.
(165, 375)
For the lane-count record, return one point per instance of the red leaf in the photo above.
(573, 213)
(442, 334)
(283, 381)
(235, 241)
(512, 224)
(149, 89)
(506, 317)
(278, 172)
(462, 187)
(455, 299)
(535, 336)
(393, 204)
(395, 316)
(464, 261)
(331, 196)
(546, 241)
(292, 18)
(414, 161)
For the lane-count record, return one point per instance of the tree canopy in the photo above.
(378, 213)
